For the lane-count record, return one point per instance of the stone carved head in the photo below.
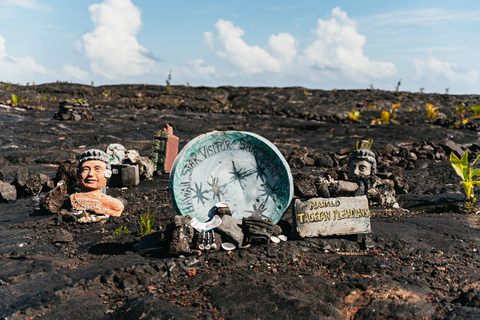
(93, 169)
(362, 164)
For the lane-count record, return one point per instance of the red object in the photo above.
(171, 152)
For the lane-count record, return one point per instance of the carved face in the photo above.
(91, 175)
(359, 169)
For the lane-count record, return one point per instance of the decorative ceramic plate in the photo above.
(240, 168)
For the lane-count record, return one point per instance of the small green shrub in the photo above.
(475, 109)
(169, 90)
(16, 99)
(145, 224)
(365, 144)
(432, 111)
(119, 231)
(464, 171)
(354, 115)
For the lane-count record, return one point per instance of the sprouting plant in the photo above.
(385, 117)
(7, 86)
(145, 224)
(395, 106)
(398, 85)
(119, 231)
(44, 97)
(461, 114)
(354, 115)
(464, 171)
(470, 204)
(432, 111)
(16, 99)
(365, 144)
(460, 110)
(74, 100)
(169, 78)
(475, 109)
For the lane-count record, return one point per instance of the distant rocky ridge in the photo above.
(296, 102)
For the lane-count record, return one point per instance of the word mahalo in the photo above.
(332, 216)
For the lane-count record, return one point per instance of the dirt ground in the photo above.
(420, 261)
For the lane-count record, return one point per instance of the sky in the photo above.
(411, 45)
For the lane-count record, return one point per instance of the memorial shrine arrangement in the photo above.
(216, 203)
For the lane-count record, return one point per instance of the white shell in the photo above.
(274, 239)
(227, 246)
(204, 226)
(282, 237)
(222, 205)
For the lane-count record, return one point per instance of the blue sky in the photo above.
(350, 44)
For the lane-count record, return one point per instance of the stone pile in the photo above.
(182, 238)
(25, 184)
(75, 110)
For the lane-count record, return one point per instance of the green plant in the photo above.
(7, 86)
(354, 115)
(395, 106)
(119, 231)
(169, 78)
(398, 85)
(145, 224)
(432, 111)
(16, 99)
(385, 117)
(475, 109)
(365, 144)
(74, 100)
(464, 171)
(461, 114)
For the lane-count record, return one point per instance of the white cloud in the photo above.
(250, 59)
(427, 16)
(75, 72)
(283, 47)
(433, 69)
(15, 69)
(338, 50)
(112, 47)
(197, 69)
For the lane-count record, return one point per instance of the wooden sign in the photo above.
(241, 168)
(332, 216)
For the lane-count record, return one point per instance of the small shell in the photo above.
(282, 237)
(274, 239)
(227, 246)
(222, 205)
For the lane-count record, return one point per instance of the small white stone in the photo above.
(227, 246)
(282, 237)
(222, 205)
(274, 239)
